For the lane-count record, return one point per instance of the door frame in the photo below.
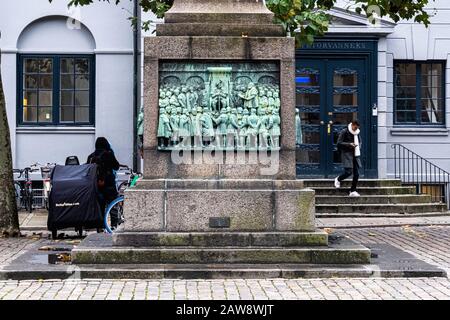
(337, 47)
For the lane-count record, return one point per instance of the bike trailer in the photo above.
(73, 199)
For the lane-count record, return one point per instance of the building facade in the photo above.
(69, 77)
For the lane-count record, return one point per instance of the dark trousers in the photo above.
(348, 172)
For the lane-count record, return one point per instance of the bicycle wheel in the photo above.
(113, 215)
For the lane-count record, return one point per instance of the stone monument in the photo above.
(220, 181)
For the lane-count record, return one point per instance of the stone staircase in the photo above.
(378, 198)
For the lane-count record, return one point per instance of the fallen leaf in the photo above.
(328, 230)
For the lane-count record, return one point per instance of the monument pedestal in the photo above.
(201, 223)
(219, 70)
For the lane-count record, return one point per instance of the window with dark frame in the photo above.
(56, 90)
(419, 93)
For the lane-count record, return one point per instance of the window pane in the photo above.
(46, 66)
(30, 98)
(345, 99)
(345, 80)
(67, 65)
(67, 81)
(432, 111)
(67, 114)
(31, 65)
(406, 104)
(45, 98)
(82, 98)
(405, 68)
(406, 92)
(45, 114)
(310, 118)
(82, 114)
(81, 66)
(67, 98)
(307, 80)
(30, 114)
(406, 81)
(428, 92)
(82, 82)
(30, 82)
(406, 117)
(431, 81)
(308, 99)
(429, 69)
(46, 82)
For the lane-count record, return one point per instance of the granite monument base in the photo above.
(220, 221)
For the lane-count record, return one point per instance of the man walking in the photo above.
(349, 144)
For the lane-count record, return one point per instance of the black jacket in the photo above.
(109, 164)
(344, 142)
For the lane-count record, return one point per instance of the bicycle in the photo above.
(24, 188)
(46, 172)
(117, 204)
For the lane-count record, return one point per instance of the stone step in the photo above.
(347, 183)
(380, 208)
(365, 191)
(371, 216)
(344, 254)
(374, 199)
(220, 239)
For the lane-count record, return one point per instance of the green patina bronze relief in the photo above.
(226, 106)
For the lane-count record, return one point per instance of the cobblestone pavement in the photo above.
(11, 248)
(316, 289)
(431, 244)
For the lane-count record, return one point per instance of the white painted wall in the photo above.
(106, 32)
(412, 41)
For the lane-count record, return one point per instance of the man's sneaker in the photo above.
(354, 194)
(337, 183)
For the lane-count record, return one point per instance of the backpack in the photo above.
(101, 172)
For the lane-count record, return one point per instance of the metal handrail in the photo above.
(413, 169)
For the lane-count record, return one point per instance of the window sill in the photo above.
(415, 131)
(55, 130)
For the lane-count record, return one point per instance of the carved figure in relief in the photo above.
(182, 98)
(275, 129)
(207, 127)
(232, 127)
(263, 132)
(192, 98)
(221, 129)
(250, 97)
(252, 129)
(164, 128)
(185, 129)
(219, 98)
(196, 131)
(242, 131)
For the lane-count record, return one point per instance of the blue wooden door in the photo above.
(330, 94)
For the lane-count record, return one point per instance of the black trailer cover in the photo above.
(73, 199)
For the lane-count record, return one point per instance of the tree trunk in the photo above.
(9, 218)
